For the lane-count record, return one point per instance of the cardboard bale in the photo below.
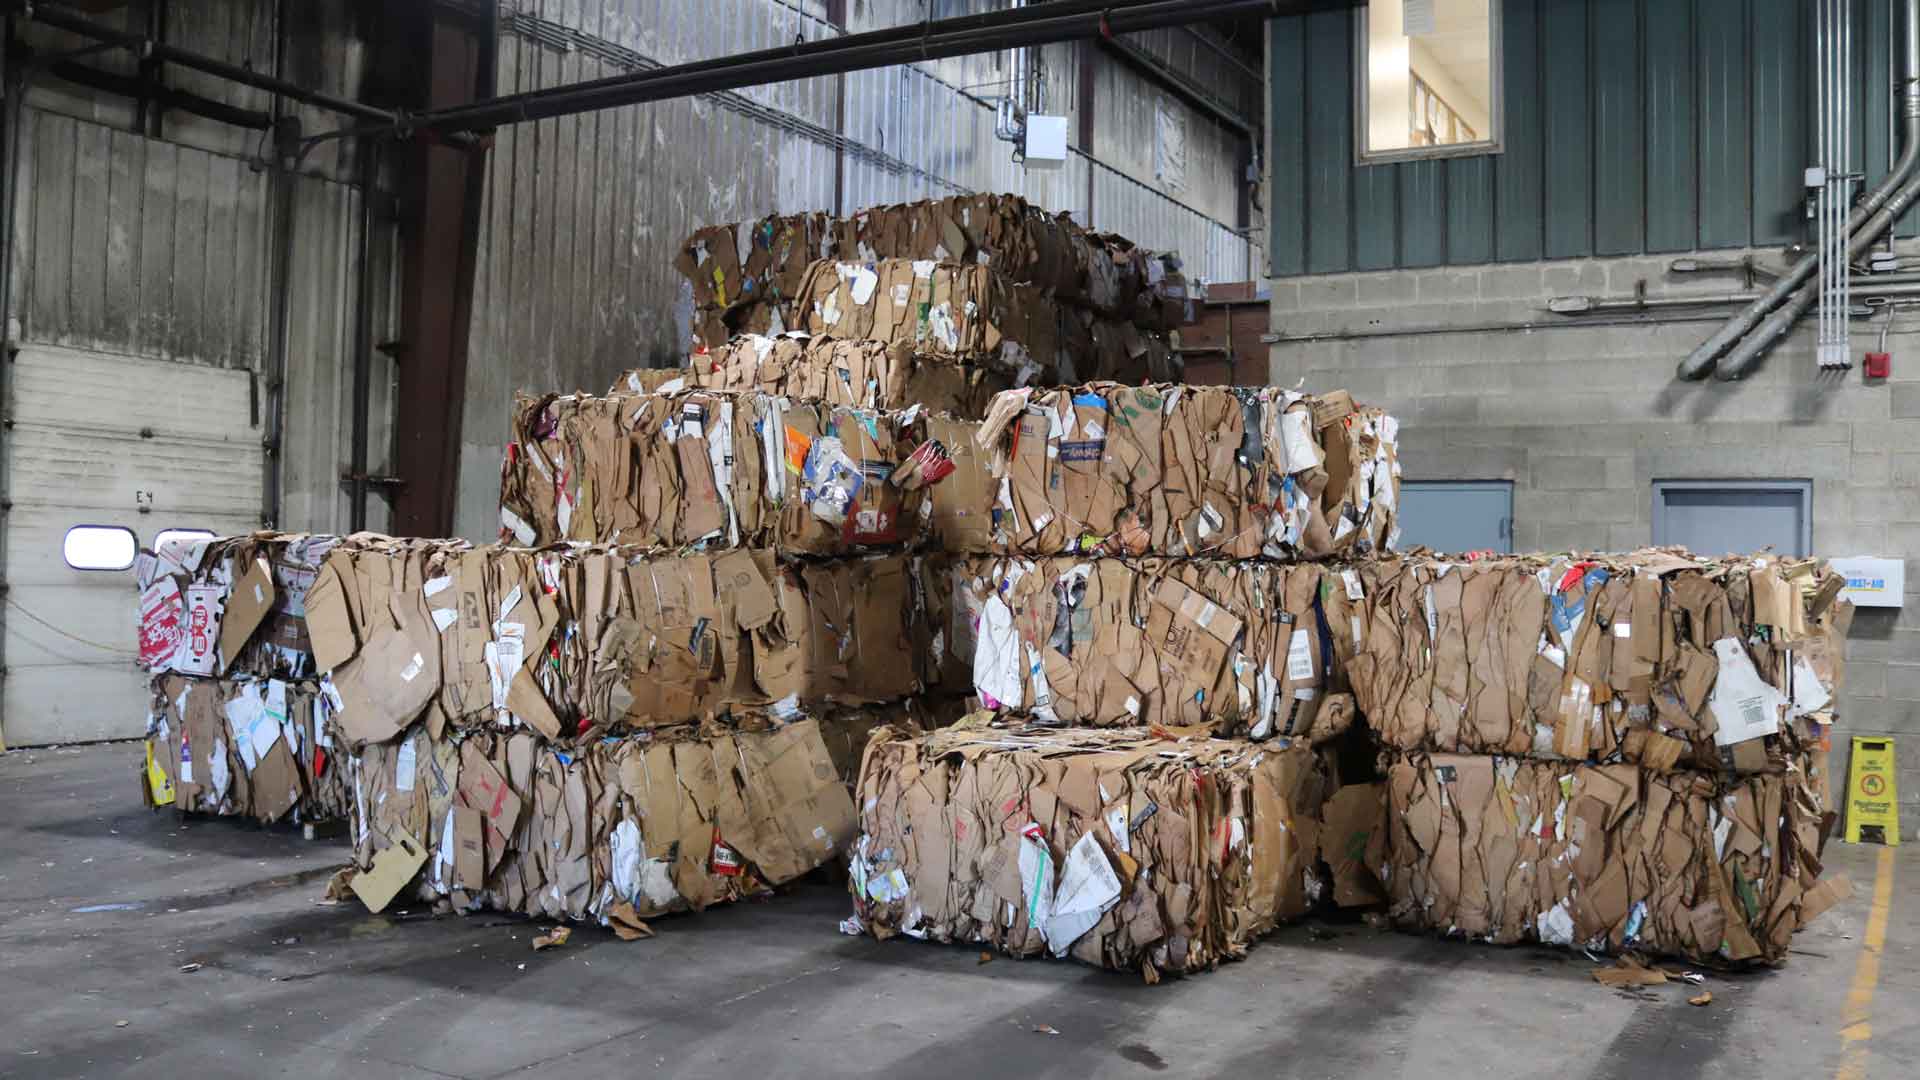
(1243, 647)
(674, 820)
(707, 469)
(968, 313)
(246, 747)
(746, 277)
(1120, 848)
(578, 642)
(858, 374)
(1653, 656)
(230, 606)
(1604, 857)
(1237, 472)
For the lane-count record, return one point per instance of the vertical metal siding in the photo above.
(1631, 126)
(1672, 151)
(1619, 158)
(1567, 129)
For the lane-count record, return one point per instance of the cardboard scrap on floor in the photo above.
(1117, 847)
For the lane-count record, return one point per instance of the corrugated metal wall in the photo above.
(1632, 126)
(162, 247)
(584, 215)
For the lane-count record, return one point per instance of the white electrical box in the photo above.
(1046, 141)
(1873, 582)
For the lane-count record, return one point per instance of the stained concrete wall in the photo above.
(1584, 415)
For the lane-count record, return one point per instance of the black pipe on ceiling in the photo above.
(1038, 24)
(61, 19)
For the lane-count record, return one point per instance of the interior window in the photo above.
(1428, 81)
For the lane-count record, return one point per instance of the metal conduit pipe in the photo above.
(1701, 360)
(1740, 363)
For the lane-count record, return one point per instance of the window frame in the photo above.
(1494, 143)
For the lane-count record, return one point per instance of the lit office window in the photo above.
(1428, 78)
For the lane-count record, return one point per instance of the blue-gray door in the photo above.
(1726, 517)
(1452, 516)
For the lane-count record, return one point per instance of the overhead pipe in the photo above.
(1868, 210)
(1040, 24)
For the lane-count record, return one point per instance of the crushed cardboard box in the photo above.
(248, 747)
(1237, 472)
(636, 826)
(710, 469)
(230, 606)
(968, 313)
(859, 374)
(1247, 647)
(747, 276)
(1604, 857)
(1653, 656)
(577, 642)
(1121, 848)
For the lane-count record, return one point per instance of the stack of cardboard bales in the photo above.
(1101, 557)
(237, 725)
(969, 294)
(1622, 752)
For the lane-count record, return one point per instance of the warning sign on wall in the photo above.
(1873, 806)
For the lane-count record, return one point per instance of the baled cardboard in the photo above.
(1245, 647)
(1604, 857)
(860, 374)
(1240, 472)
(1651, 656)
(672, 821)
(1120, 848)
(247, 606)
(711, 469)
(296, 775)
(577, 642)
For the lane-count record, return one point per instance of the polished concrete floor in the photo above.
(102, 903)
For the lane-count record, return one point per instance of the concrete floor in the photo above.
(290, 986)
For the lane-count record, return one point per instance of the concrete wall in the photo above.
(1583, 417)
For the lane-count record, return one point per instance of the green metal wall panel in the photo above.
(1631, 126)
(1423, 213)
(1782, 57)
(1329, 95)
(1567, 133)
(1517, 180)
(1619, 141)
(1287, 146)
(1672, 151)
(1470, 210)
(1376, 218)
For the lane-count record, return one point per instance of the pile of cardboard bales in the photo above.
(985, 283)
(1207, 694)
(1620, 752)
(237, 724)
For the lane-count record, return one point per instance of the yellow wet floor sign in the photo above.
(1873, 806)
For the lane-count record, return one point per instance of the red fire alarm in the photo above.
(1877, 365)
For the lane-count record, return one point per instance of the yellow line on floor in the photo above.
(1857, 1029)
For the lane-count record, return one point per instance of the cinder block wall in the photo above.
(1583, 414)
